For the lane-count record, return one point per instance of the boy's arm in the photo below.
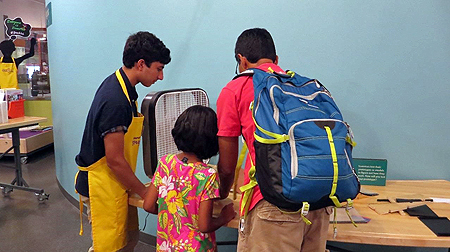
(150, 200)
(114, 152)
(226, 166)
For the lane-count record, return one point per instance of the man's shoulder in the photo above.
(237, 83)
(110, 80)
(110, 90)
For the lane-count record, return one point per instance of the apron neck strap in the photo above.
(122, 84)
(1, 60)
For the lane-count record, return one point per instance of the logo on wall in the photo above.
(17, 27)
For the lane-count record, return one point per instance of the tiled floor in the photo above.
(27, 225)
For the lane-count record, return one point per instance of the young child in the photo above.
(183, 187)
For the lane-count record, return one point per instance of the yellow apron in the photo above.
(8, 74)
(111, 215)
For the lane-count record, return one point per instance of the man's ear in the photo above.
(276, 60)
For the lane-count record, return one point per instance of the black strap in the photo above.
(248, 72)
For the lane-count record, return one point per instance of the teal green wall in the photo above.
(385, 62)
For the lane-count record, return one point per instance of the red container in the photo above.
(16, 109)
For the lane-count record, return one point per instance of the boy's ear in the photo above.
(140, 64)
(239, 57)
(245, 63)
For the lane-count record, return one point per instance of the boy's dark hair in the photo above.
(195, 131)
(7, 47)
(255, 44)
(146, 46)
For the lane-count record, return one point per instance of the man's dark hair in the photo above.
(7, 47)
(195, 131)
(255, 44)
(146, 46)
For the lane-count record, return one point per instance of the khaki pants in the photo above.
(133, 236)
(268, 229)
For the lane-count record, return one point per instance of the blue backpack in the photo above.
(303, 147)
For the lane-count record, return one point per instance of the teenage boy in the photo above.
(109, 148)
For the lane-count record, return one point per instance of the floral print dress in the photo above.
(181, 188)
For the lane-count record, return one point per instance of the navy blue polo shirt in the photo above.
(110, 111)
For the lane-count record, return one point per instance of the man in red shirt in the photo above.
(265, 225)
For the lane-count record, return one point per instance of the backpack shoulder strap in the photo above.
(248, 72)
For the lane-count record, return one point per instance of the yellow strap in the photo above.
(122, 84)
(238, 168)
(81, 217)
(1, 60)
(347, 210)
(291, 73)
(124, 87)
(308, 222)
(277, 138)
(350, 141)
(303, 212)
(81, 206)
(335, 167)
(350, 217)
(247, 191)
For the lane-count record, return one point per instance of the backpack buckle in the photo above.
(349, 204)
(241, 224)
(305, 208)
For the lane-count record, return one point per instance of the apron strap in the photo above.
(81, 216)
(81, 206)
(124, 89)
(122, 84)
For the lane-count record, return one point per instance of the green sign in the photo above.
(16, 27)
(371, 171)
(48, 14)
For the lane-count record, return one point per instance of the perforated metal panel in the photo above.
(161, 110)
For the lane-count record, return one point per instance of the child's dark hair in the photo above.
(195, 131)
(255, 44)
(144, 45)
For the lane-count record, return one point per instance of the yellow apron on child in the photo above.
(8, 74)
(111, 216)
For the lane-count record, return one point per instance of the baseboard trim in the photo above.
(143, 237)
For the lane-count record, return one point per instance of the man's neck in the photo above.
(131, 75)
(259, 62)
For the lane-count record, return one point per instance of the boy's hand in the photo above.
(228, 213)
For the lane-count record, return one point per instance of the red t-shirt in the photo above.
(235, 118)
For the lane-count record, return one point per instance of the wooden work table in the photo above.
(390, 229)
(21, 122)
(19, 183)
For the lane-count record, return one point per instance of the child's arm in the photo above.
(208, 224)
(150, 199)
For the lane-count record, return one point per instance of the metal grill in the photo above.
(161, 110)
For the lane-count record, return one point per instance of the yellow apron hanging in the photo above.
(111, 215)
(8, 74)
